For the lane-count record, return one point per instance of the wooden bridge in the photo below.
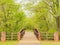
(29, 39)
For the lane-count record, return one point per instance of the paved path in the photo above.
(29, 39)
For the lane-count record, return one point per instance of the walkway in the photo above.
(29, 39)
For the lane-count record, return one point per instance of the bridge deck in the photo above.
(29, 39)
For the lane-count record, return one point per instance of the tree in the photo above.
(42, 12)
(10, 16)
(54, 9)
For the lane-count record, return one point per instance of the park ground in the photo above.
(50, 42)
(9, 43)
(42, 43)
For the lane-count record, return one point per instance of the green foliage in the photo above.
(46, 16)
(46, 13)
(10, 16)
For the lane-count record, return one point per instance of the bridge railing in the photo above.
(11, 35)
(36, 33)
(22, 32)
(46, 36)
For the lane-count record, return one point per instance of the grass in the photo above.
(50, 42)
(9, 43)
(42, 43)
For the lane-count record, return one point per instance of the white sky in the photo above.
(23, 2)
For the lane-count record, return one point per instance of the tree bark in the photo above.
(58, 24)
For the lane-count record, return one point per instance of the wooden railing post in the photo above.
(39, 36)
(56, 38)
(12, 36)
(3, 36)
(18, 35)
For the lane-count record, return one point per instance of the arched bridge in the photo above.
(29, 38)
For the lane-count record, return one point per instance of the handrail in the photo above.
(36, 33)
(22, 32)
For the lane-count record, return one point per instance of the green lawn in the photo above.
(9, 43)
(49, 43)
(42, 43)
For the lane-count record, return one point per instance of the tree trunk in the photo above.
(58, 24)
